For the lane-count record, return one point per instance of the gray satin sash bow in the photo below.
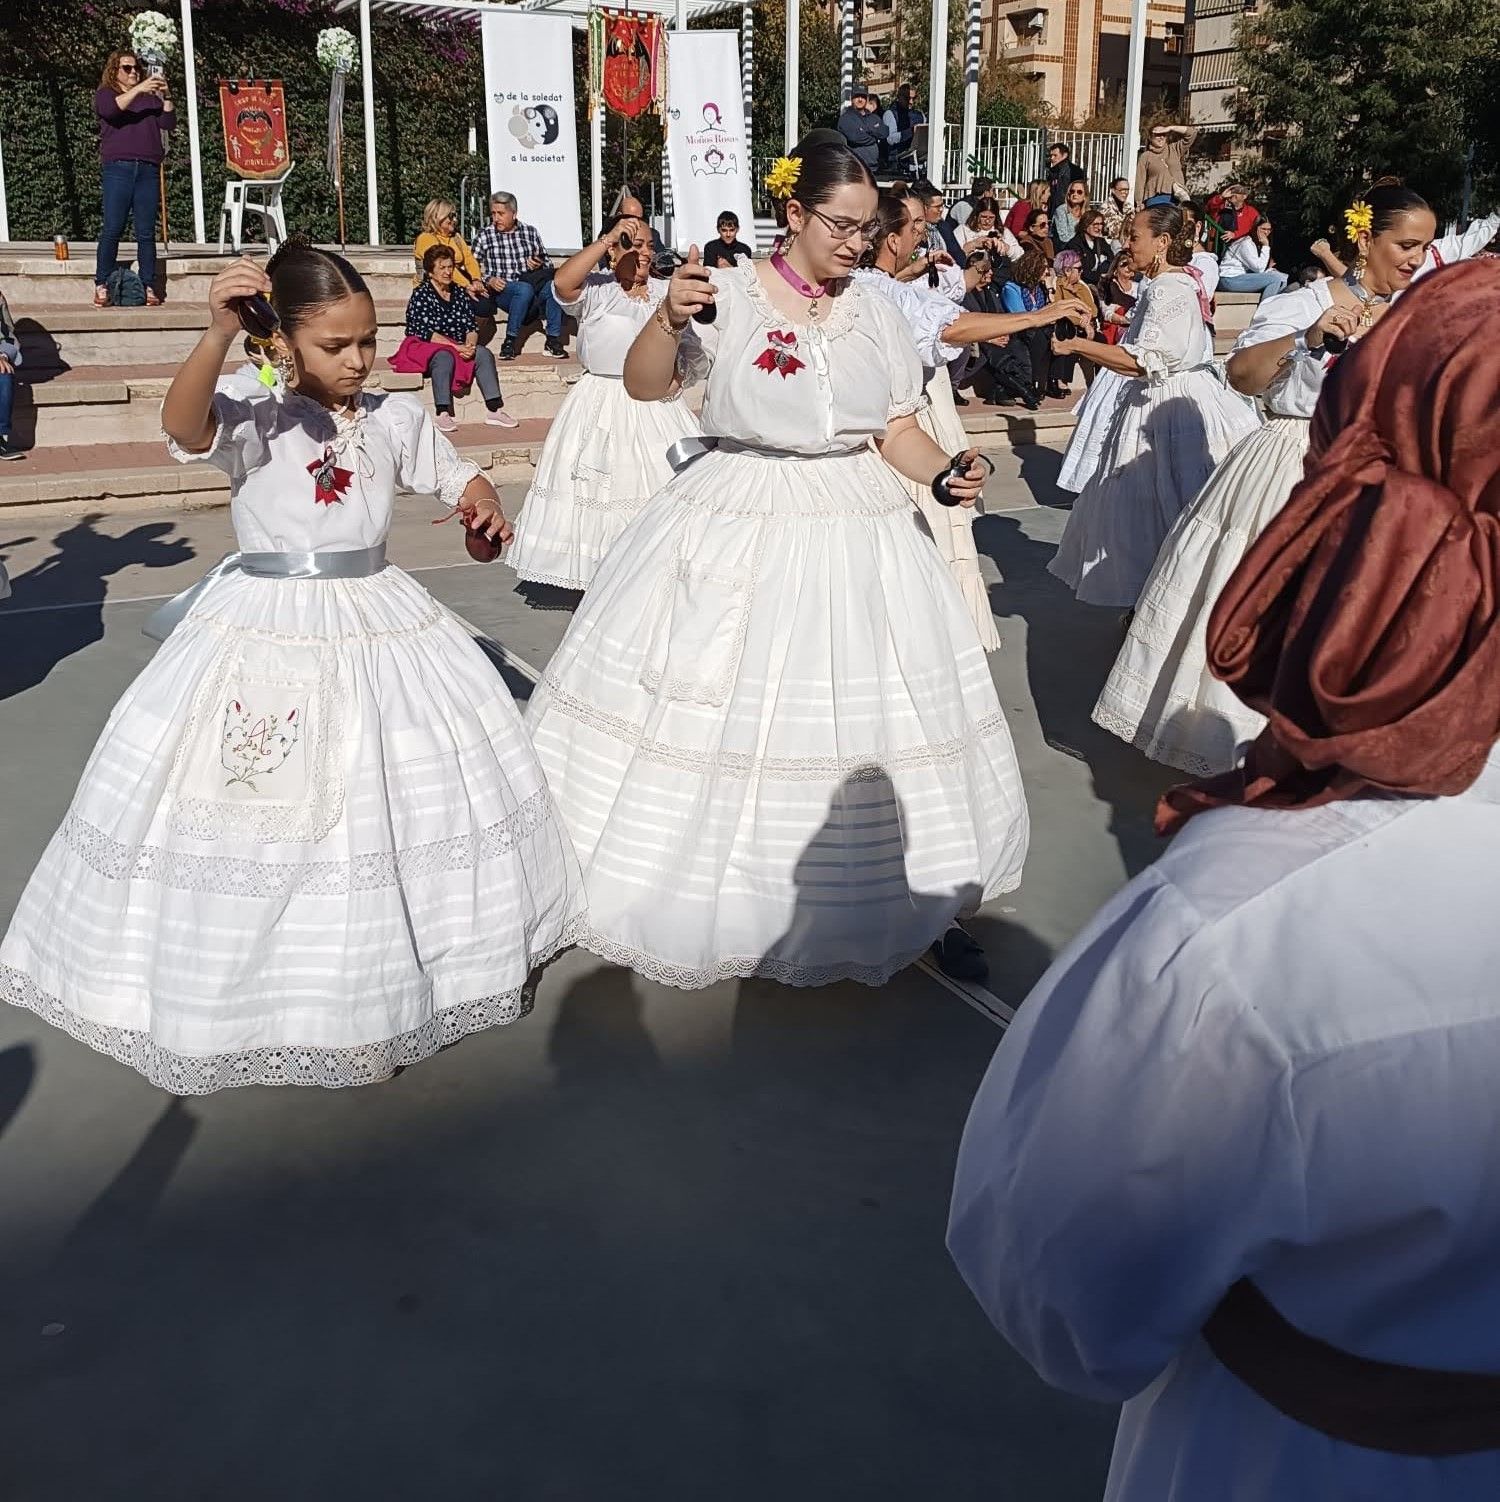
(354, 563)
(688, 451)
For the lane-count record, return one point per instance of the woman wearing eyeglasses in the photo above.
(133, 111)
(440, 227)
(771, 727)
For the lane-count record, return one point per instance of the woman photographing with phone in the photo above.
(606, 453)
(771, 727)
(133, 110)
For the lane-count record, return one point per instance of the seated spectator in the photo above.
(1025, 292)
(941, 232)
(1203, 265)
(1236, 215)
(440, 227)
(442, 343)
(981, 188)
(728, 248)
(1068, 215)
(1117, 207)
(1036, 234)
(1117, 294)
(1068, 265)
(1094, 250)
(517, 270)
(1005, 361)
(1246, 265)
(983, 231)
(1023, 208)
(10, 360)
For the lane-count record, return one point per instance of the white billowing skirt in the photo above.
(1094, 414)
(604, 458)
(772, 732)
(952, 527)
(313, 843)
(1165, 439)
(1160, 695)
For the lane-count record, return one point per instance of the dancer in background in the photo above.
(941, 331)
(1173, 421)
(1160, 695)
(313, 842)
(605, 453)
(1234, 1162)
(771, 727)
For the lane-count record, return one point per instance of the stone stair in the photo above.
(88, 405)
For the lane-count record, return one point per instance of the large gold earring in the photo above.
(1156, 264)
(286, 369)
(1361, 261)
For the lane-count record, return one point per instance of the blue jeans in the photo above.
(1267, 283)
(129, 188)
(7, 396)
(517, 300)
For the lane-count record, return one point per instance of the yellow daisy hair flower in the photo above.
(1359, 217)
(781, 180)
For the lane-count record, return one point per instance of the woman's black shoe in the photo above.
(959, 956)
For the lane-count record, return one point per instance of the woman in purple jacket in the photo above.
(133, 111)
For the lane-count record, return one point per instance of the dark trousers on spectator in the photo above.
(486, 377)
(7, 397)
(130, 188)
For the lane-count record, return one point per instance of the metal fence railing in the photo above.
(1014, 155)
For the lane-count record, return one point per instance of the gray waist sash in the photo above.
(687, 451)
(352, 563)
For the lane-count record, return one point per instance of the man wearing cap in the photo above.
(862, 128)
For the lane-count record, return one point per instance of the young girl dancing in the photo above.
(313, 843)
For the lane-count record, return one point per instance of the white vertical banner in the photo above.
(708, 153)
(530, 121)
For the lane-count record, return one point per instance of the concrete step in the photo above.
(137, 475)
(1233, 312)
(32, 274)
(112, 405)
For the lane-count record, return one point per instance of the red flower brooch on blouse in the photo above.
(329, 481)
(778, 354)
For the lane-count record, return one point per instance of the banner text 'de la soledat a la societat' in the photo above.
(530, 121)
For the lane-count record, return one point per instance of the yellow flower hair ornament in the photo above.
(781, 180)
(1359, 217)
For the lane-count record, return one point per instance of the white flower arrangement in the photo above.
(153, 35)
(337, 49)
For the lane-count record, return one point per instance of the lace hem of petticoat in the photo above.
(863, 767)
(629, 504)
(1154, 747)
(744, 967)
(229, 876)
(282, 1064)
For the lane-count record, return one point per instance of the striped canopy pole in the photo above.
(971, 86)
(846, 53)
(747, 67)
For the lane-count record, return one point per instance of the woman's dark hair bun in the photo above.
(305, 277)
(1167, 219)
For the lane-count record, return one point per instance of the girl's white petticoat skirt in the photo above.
(312, 843)
(604, 458)
(1165, 439)
(952, 527)
(772, 732)
(1160, 695)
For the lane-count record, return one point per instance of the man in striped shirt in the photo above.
(508, 251)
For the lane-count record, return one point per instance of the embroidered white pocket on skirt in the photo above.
(262, 758)
(696, 631)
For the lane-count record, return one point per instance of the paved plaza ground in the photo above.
(643, 1246)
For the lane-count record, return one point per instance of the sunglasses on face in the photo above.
(129, 68)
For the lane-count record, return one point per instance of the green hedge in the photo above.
(428, 91)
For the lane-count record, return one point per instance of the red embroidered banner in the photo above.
(633, 53)
(255, 139)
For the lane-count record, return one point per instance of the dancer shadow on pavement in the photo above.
(1070, 649)
(17, 1075)
(73, 579)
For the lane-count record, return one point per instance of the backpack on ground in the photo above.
(125, 288)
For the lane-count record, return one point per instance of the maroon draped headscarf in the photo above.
(1364, 623)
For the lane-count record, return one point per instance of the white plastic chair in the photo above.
(238, 201)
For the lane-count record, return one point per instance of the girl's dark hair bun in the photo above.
(305, 277)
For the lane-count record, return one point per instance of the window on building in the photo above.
(1172, 39)
(1028, 25)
